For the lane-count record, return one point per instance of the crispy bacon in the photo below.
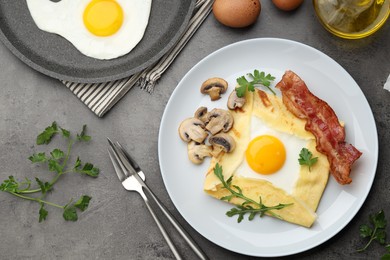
(322, 122)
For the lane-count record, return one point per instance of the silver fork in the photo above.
(132, 178)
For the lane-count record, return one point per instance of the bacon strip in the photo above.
(322, 122)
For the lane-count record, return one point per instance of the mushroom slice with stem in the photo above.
(219, 120)
(201, 113)
(222, 142)
(234, 101)
(192, 129)
(214, 87)
(197, 152)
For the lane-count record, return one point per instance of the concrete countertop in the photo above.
(117, 224)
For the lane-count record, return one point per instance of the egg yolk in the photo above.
(265, 154)
(103, 17)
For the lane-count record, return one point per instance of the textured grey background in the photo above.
(117, 225)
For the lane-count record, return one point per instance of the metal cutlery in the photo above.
(133, 179)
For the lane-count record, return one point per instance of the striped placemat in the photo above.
(101, 97)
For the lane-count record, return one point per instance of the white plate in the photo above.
(267, 236)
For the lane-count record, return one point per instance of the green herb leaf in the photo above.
(261, 78)
(83, 202)
(38, 157)
(385, 257)
(381, 236)
(82, 136)
(10, 185)
(88, 168)
(378, 219)
(377, 232)
(46, 136)
(65, 133)
(54, 166)
(256, 78)
(365, 231)
(305, 158)
(70, 213)
(45, 187)
(42, 213)
(77, 164)
(57, 154)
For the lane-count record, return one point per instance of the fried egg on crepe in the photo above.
(265, 113)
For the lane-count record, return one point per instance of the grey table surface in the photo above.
(117, 225)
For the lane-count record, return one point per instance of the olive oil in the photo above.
(352, 19)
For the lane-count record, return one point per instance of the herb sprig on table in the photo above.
(255, 79)
(249, 206)
(57, 162)
(375, 231)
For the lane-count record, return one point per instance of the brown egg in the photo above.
(236, 13)
(287, 5)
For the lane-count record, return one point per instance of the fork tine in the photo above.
(133, 164)
(123, 159)
(118, 171)
(118, 158)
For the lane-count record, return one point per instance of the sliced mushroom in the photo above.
(201, 113)
(192, 129)
(234, 101)
(219, 120)
(214, 87)
(197, 152)
(222, 142)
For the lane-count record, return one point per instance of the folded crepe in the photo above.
(310, 184)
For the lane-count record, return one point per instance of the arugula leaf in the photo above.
(83, 202)
(249, 206)
(305, 158)
(70, 213)
(42, 213)
(46, 136)
(256, 78)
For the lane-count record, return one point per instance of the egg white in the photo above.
(285, 177)
(65, 18)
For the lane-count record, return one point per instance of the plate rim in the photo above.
(65, 77)
(372, 122)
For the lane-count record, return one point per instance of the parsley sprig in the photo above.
(255, 79)
(306, 158)
(57, 162)
(249, 206)
(375, 231)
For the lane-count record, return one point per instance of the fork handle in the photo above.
(177, 226)
(162, 229)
